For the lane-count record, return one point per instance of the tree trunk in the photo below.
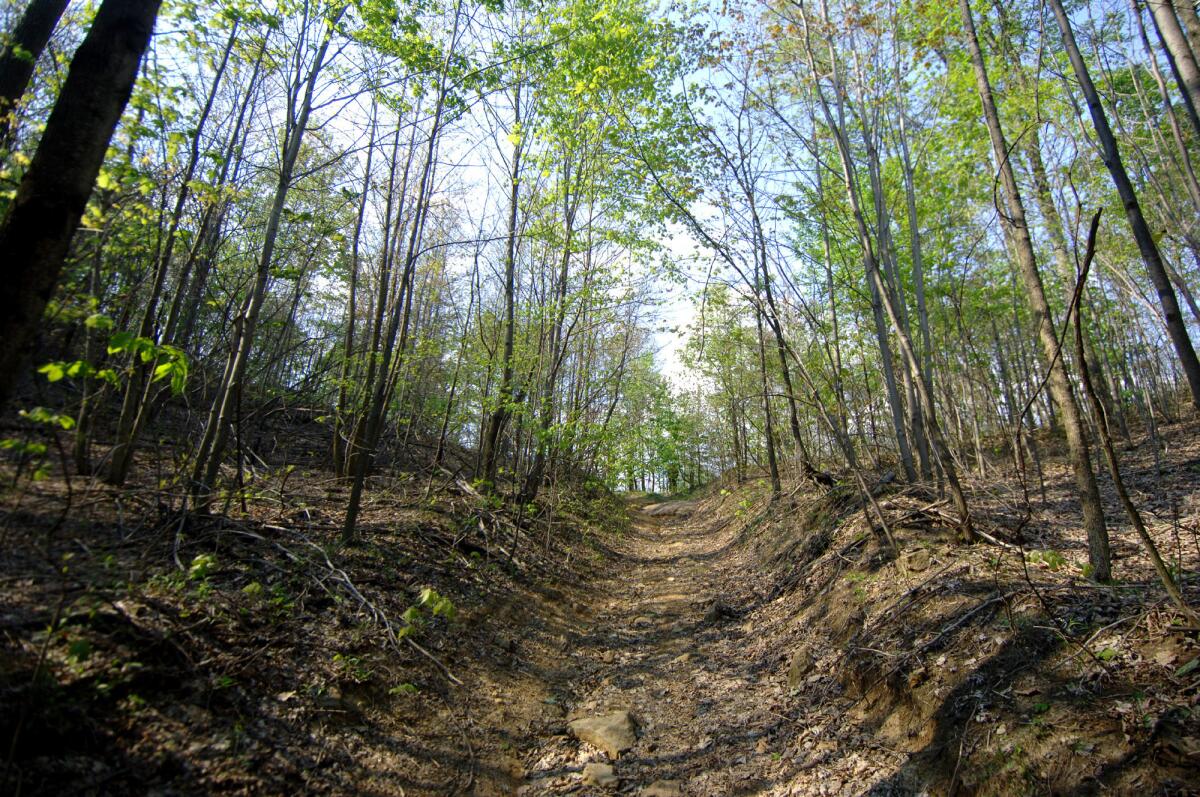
(37, 232)
(891, 286)
(1191, 24)
(1176, 327)
(339, 414)
(1185, 157)
(367, 435)
(537, 471)
(918, 271)
(1179, 56)
(137, 389)
(772, 460)
(875, 279)
(211, 448)
(1058, 245)
(504, 397)
(807, 468)
(20, 55)
(1060, 386)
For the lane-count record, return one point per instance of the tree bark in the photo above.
(1060, 385)
(1176, 327)
(1179, 56)
(1191, 24)
(19, 58)
(37, 232)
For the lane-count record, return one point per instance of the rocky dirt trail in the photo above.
(727, 647)
(663, 701)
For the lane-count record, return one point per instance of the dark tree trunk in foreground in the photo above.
(42, 219)
(19, 57)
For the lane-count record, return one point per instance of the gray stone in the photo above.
(802, 662)
(614, 733)
(918, 560)
(602, 775)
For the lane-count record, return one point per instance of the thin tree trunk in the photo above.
(1058, 245)
(189, 288)
(918, 267)
(1060, 386)
(137, 389)
(339, 448)
(499, 416)
(769, 434)
(1110, 454)
(892, 287)
(367, 436)
(1176, 327)
(533, 481)
(875, 277)
(212, 444)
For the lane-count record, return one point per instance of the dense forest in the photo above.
(385, 330)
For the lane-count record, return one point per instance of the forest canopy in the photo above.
(638, 243)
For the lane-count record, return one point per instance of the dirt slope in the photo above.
(765, 648)
(837, 670)
(663, 643)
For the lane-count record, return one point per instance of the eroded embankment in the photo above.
(785, 648)
(754, 647)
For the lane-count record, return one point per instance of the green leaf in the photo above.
(200, 567)
(79, 650)
(53, 371)
(119, 341)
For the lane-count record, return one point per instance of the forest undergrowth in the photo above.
(246, 651)
(763, 647)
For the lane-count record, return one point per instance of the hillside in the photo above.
(643, 397)
(758, 647)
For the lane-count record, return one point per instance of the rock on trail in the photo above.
(614, 732)
(602, 775)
